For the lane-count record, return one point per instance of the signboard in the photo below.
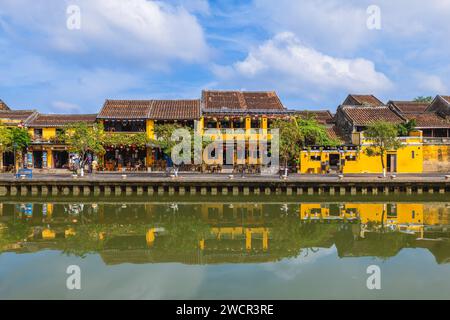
(44, 159)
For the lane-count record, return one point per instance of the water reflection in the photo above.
(212, 233)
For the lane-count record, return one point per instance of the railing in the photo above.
(436, 140)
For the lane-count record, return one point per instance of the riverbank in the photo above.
(141, 184)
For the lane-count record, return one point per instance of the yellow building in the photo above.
(48, 150)
(13, 118)
(353, 158)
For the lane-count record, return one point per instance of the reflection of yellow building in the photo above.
(236, 233)
(399, 216)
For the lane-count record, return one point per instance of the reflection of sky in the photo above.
(413, 273)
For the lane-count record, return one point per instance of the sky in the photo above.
(68, 56)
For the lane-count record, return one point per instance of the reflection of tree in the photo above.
(12, 232)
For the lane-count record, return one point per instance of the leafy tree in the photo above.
(383, 138)
(125, 139)
(84, 139)
(163, 134)
(404, 129)
(14, 138)
(298, 132)
(423, 99)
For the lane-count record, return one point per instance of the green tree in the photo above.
(163, 134)
(383, 138)
(298, 132)
(14, 139)
(84, 139)
(404, 129)
(423, 99)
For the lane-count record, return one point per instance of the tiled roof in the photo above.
(446, 98)
(60, 120)
(150, 109)
(175, 110)
(335, 133)
(262, 100)
(322, 116)
(14, 116)
(365, 99)
(363, 116)
(428, 120)
(3, 106)
(409, 106)
(125, 109)
(237, 100)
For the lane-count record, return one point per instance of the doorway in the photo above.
(61, 159)
(37, 159)
(334, 161)
(391, 165)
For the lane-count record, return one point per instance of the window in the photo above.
(255, 123)
(350, 157)
(38, 133)
(237, 124)
(315, 158)
(413, 155)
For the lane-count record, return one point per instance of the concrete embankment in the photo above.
(118, 185)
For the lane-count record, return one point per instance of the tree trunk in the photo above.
(285, 168)
(382, 164)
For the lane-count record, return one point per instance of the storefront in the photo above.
(131, 158)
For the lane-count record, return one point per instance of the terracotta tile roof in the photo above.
(335, 133)
(428, 120)
(150, 109)
(175, 110)
(409, 106)
(365, 99)
(238, 100)
(60, 120)
(14, 116)
(262, 100)
(322, 116)
(363, 116)
(125, 109)
(446, 98)
(3, 106)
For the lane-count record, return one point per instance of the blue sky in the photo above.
(312, 52)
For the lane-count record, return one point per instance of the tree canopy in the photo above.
(297, 133)
(83, 138)
(427, 99)
(383, 137)
(13, 137)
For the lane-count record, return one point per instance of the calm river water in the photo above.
(225, 250)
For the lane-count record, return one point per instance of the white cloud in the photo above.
(286, 64)
(152, 32)
(336, 26)
(431, 83)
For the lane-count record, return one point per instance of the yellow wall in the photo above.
(48, 133)
(365, 164)
(436, 158)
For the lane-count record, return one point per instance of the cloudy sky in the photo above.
(312, 52)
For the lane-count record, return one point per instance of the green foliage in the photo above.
(383, 138)
(14, 136)
(126, 139)
(83, 139)
(314, 133)
(163, 134)
(423, 99)
(403, 129)
(297, 132)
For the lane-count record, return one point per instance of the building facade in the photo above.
(244, 118)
